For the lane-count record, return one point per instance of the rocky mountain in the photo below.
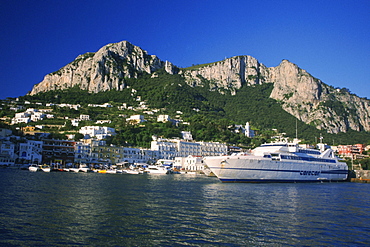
(103, 70)
(300, 94)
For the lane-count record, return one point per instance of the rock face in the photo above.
(103, 70)
(316, 103)
(299, 93)
(230, 74)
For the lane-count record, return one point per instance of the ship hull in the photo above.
(258, 169)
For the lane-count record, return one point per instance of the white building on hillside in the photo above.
(163, 118)
(29, 115)
(248, 131)
(84, 117)
(186, 135)
(99, 132)
(135, 119)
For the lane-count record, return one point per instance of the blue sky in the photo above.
(328, 38)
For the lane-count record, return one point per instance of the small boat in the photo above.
(33, 168)
(130, 171)
(84, 168)
(111, 171)
(74, 169)
(45, 168)
(157, 169)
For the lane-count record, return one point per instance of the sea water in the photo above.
(91, 209)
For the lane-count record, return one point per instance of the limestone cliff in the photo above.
(314, 102)
(299, 93)
(230, 74)
(103, 70)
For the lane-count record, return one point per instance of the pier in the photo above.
(360, 176)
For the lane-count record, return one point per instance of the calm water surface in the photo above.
(70, 209)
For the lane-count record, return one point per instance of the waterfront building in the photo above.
(190, 163)
(30, 152)
(7, 153)
(171, 148)
(213, 149)
(58, 151)
(82, 152)
(166, 149)
(109, 155)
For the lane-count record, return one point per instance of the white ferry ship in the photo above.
(279, 162)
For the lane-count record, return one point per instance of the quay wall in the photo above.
(360, 176)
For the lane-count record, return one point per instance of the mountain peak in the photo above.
(298, 93)
(103, 70)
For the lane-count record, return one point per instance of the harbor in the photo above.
(93, 209)
(355, 176)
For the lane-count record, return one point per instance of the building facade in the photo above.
(99, 132)
(171, 148)
(58, 151)
(30, 152)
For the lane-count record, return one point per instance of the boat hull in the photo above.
(33, 168)
(252, 169)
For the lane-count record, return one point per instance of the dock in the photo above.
(360, 176)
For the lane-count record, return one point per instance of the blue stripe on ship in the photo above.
(274, 181)
(277, 170)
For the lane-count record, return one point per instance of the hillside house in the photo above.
(135, 119)
(99, 132)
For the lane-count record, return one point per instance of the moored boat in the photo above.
(33, 168)
(157, 169)
(129, 171)
(84, 168)
(279, 162)
(45, 168)
(111, 171)
(74, 169)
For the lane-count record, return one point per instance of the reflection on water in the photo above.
(175, 210)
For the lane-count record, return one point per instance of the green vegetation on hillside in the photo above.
(211, 115)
